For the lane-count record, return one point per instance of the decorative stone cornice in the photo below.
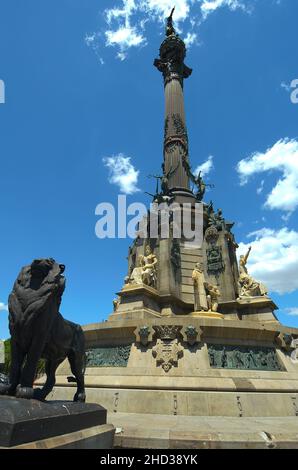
(144, 334)
(171, 59)
(192, 334)
(167, 332)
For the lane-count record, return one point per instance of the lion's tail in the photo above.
(71, 378)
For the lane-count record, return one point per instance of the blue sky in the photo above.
(80, 87)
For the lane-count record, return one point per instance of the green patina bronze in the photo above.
(110, 356)
(241, 357)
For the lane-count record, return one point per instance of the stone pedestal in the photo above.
(260, 309)
(137, 301)
(28, 424)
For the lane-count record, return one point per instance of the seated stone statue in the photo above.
(248, 286)
(136, 276)
(146, 273)
(38, 330)
(148, 264)
(251, 288)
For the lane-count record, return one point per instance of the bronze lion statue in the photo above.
(38, 331)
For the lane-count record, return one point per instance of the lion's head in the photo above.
(39, 287)
(42, 268)
(41, 271)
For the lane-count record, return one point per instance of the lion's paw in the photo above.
(38, 394)
(24, 392)
(81, 397)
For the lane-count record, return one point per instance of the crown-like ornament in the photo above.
(167, 331)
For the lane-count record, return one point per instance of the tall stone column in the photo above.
(171, 64)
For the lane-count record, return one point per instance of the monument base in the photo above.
(161, 371)
(29, 424)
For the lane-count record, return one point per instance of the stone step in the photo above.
(156, 431)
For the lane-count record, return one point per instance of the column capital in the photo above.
(172, 53)
(171, 59)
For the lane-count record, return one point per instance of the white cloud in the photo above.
(127, 19)
(205, 167)
(191, 38)
(122, 173)
(128, 6)
(292, 311)
(3, 307)
(210, 6)
(286, 217)
(160, 9)
(282, 157)
(261, 187)
(92, 40)
(121, 56)
(274, 258)
(124, 37)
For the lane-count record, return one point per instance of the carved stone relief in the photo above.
(243, 357)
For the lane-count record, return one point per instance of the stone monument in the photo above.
(38, 331)
(192, 337)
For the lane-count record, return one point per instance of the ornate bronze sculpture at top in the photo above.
(38, 330)
(170, 28)
(172, 53)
